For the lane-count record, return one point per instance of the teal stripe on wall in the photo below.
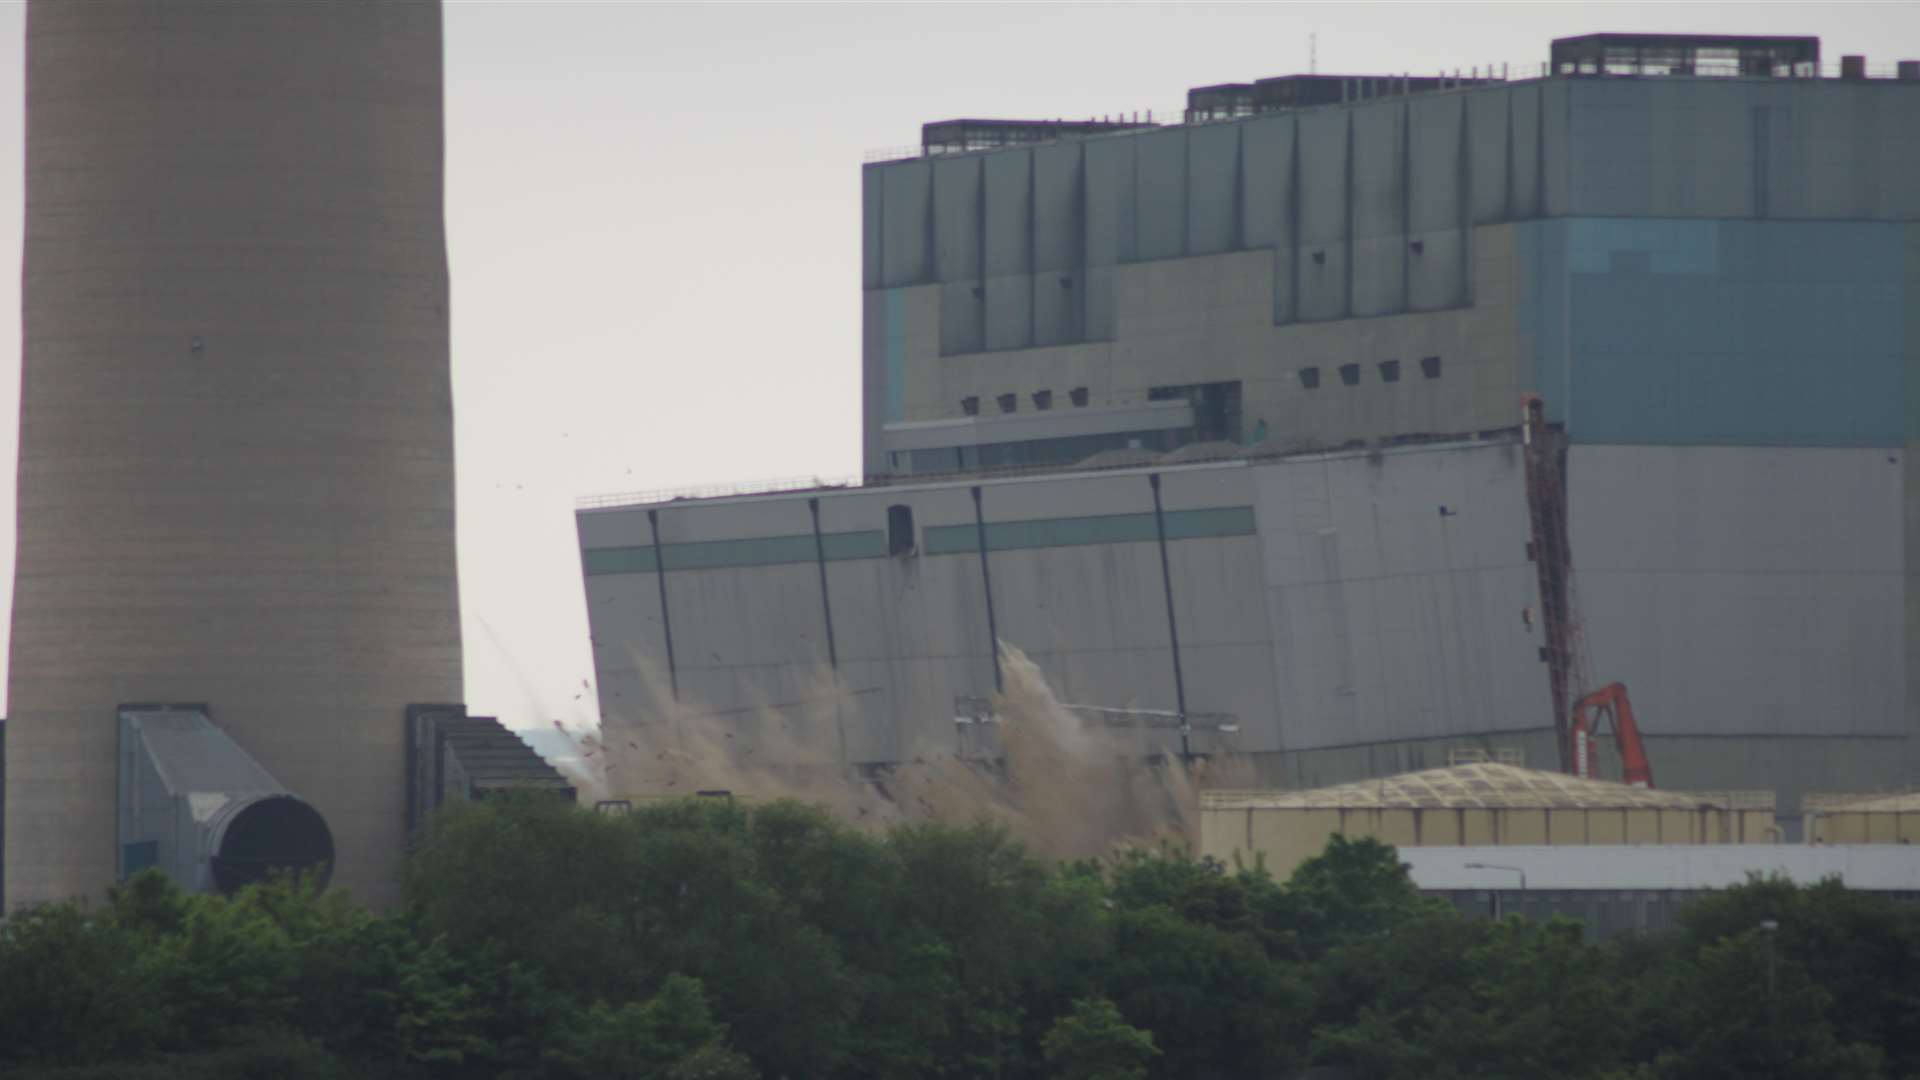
(1076, 531)
(715, 554)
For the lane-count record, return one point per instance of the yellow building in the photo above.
(1863, 819)
(1478, 804)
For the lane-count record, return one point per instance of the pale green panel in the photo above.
(756, 551)
(1081, 531)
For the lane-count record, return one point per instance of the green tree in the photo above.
(1354, 890)
(76, 987)
(1860, 947)
(1737, 1010)
(669, 1036)
(1217, 1005)
(1443, 997)
(1094, 1042)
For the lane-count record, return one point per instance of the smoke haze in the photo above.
(1066, 785)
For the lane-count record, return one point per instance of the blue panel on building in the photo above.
(138, 856)
(1755, 333)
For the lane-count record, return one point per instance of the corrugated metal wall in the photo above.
(1324, 603)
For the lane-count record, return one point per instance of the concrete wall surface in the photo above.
(236, 453)
(1704, 571)
(1398, 585)
(1323, 602)
(1359, 613)
(1751, 227)
(1745, 594)
(1715, 331)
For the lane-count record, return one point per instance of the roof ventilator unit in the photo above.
(202, 810)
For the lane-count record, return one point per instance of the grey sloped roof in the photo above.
(1482, 785)
(191, 754)
(495, 757)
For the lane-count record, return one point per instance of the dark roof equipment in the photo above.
(1687, 55)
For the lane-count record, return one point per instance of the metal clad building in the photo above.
(236, 459)
(1325, 602)
(1709, 280)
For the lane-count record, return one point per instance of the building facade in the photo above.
(1699, 256)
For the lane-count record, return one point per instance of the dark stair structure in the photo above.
(453, 757)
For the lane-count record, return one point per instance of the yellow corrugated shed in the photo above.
(1481, 784)
(1863, 819)
(1478, 803)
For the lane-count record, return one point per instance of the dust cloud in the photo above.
(1068, 784)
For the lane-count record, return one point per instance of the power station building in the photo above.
(1225, 417)
(236, 559)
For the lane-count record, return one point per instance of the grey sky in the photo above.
(654, 217)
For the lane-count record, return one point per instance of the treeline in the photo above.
(706, 941)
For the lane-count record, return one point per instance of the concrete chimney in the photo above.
(236, 443)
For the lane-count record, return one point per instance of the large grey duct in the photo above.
(236, 444)
(201, 809)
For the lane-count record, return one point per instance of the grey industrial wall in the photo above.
(1325, 602)
(1346, 234)
(236, 459)
(1710, 281)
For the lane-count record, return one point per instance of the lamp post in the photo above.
(1496, 895)
(1770, 929)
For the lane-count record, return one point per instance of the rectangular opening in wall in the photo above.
(1216, 408)
(1389, 371)
(1310, 378)
(1430, 366)
(1042, 400)
(970, 406)
(1350, 374)
(1079, 397)
(1008, 402)
(900, 529)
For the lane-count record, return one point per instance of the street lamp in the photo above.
(1770, 929)
(1509, 869)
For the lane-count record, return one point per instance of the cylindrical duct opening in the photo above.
(276, 833)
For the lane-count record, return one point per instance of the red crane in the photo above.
(1609, 705)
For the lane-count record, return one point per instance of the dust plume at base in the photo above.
(1067, 786)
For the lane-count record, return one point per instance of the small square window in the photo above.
(1389, 371)
(970, 406)
(1008, 402)
(1310, 377)
(1350, 374)
(1430, 366)
(1042, 400)
(900, 529)
(1079, 397)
